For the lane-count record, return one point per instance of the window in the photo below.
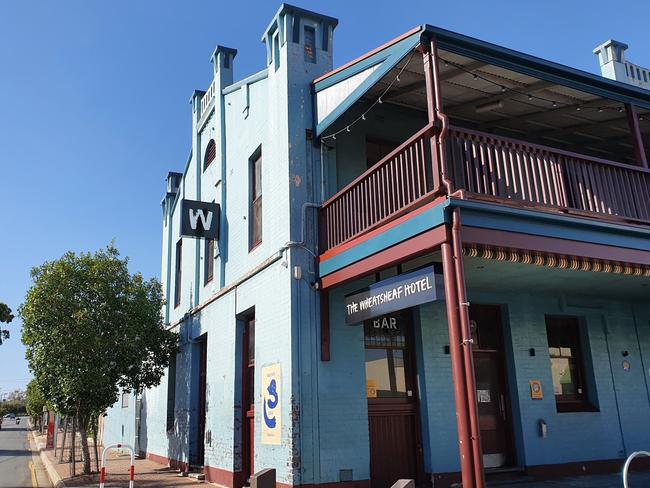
(310, 44)
(208, 264)
(386, 357)
(171, 393)
(255, 230)
(125, 399)
(177, 277)
(567, 368)
(210, 154)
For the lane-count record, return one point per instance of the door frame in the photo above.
(401, 406)
(248, 403)
(504, 381)
(202, 392)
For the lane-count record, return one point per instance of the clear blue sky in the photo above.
(94, 104)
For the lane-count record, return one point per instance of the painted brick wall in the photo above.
(611, 327)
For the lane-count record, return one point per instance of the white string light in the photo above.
(379, 101)
(475, 76)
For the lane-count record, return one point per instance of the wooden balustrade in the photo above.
(400, 181)
(486, 167)
(505, 169)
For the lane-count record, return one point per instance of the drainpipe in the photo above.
(455, 294)
(468, 357)
(457, 369)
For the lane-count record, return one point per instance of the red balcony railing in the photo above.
(400, 181)
(491, 168)
(505, 169)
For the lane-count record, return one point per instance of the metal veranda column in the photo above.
(633, 123)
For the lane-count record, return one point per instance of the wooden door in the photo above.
(491, 388)
(203, 367)
(393, 416)
(248, 397)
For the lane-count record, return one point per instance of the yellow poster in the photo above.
(536, 390)
(271, 404)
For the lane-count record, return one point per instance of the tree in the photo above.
(90, 328)
(34, 401)
(5, 317)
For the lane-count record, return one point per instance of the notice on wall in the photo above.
(536, 390)
(396, 293)
(271, 404)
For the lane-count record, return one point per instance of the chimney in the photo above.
(613, 65)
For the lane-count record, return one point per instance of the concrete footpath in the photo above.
(147, 473)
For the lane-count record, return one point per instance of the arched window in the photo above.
(210, 154)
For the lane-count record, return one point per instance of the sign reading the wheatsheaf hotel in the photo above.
(396, 293)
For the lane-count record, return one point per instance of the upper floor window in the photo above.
(208, 264)
(567, 364)
(125, 399)
(210, 154)
(177, 275)
(255, 227)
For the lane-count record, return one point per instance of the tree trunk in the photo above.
(95, 428)
(85, 451)
(65, 431)
(73, 453)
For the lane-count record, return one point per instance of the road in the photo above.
(20, 467)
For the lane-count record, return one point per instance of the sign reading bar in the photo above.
(199, 219)
(396, 293)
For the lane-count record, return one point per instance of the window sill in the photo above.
(206, 283)
(575, 407)
(254, 246)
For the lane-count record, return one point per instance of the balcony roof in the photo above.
(334, 97)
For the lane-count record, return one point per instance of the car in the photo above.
(10, 416)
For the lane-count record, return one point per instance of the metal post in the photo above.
(633, 123)
(457, 371)
(102, 470)
(428, 62)
(468, 357)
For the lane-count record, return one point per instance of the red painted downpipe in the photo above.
(468, 357)
(457, 306)
(457, 370)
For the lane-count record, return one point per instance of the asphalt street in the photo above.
(20, 466)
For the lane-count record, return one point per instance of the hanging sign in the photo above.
(396, 293)
(271, 404)
(200, 219)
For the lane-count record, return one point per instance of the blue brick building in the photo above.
(508, 197)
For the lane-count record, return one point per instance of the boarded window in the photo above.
(208, 265)
(210, 154)
(256, 199)
(177, 276)
(310, 44)
(171, 393)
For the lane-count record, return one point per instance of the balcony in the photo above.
(521, 132)
(483, 166)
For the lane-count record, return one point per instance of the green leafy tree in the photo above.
(5, 317)
(34, 401)
(90, 328)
